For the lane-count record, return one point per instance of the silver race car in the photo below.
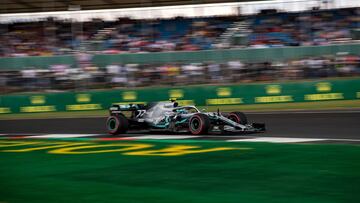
(170, 117)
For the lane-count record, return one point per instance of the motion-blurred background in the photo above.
(50, 46)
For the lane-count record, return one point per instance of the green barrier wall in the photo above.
(269, 54)
(323, 90)
(250, 55)
(35, 61)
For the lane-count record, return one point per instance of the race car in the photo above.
(169, 116)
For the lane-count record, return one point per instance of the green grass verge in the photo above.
(278, 173)
(324, 105)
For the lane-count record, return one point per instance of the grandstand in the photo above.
(79, 44)
(55, 37)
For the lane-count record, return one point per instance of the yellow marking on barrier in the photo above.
(83, 107)
(74, 150)
(83, 98)
(176, 93)
(224, 101)
(51, 146)
(271, 99)
(5, 110)
(178, 150)
(273, 89)
(128, 96)
(37, 99)
(223, 92)
(327, 96)
(132, 102)
(323, 87)
(185, 102)
(33, 109)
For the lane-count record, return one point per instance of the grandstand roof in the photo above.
(22, 6)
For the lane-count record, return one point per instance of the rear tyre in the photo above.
(238, 117)
(199, 124)
(117, 124)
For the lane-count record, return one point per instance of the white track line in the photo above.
(164, 137)
(277, 140)
(63, 135)
(345, 140)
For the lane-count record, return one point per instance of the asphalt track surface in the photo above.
(319, 124)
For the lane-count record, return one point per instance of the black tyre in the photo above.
(199, 124)
(117, 124)
(238, 117)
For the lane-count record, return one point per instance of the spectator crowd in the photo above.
(55, 37)
(63, 77)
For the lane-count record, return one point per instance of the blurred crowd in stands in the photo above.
(274, 29)
(304, 29)
(63, 77)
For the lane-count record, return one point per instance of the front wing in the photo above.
(231, 126)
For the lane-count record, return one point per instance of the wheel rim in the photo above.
(195, 124)
(112, 124)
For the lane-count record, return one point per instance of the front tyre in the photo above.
(199, 124)
(238, 117)
(117, 124)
